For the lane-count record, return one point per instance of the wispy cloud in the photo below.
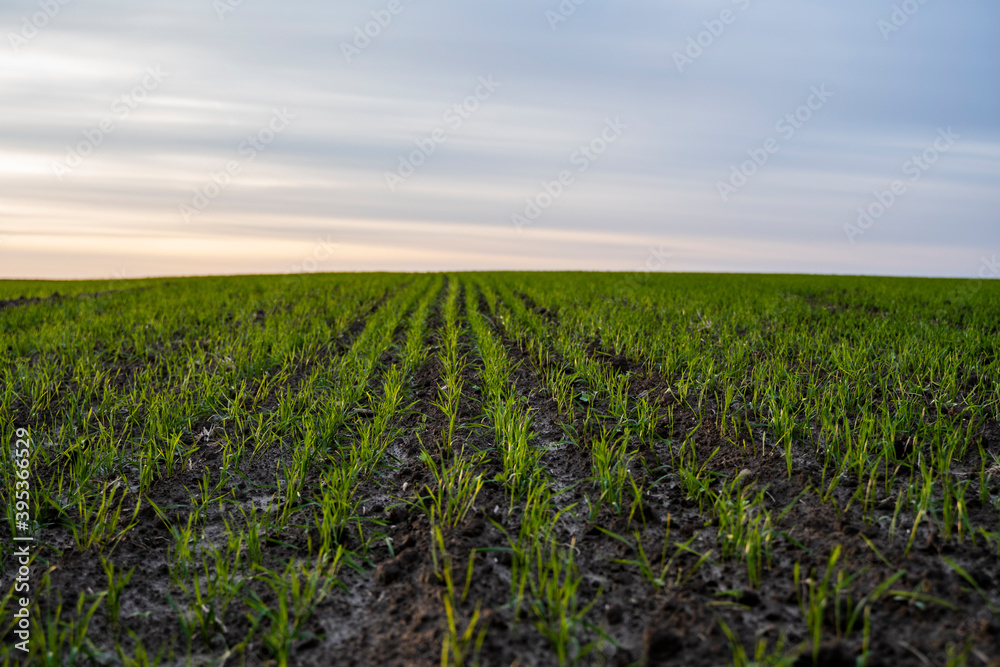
(658, 183)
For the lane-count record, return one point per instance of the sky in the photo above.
(196, 137)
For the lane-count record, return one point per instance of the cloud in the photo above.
(354, 120)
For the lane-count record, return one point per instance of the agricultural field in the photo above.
(501, 469)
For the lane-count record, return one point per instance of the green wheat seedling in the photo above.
(745, 528)
(335, 502)
(506, 410)
(778, 656)
(299, 589)
(919, 598)
(101, 519)
(290, 482)
(181, 551)
(375, 436)
(610, 466)
(729, 393)
(202, 617)
(619, 400)
(814, 597)
(545, 581)
(5, 602)
(448, 399)
(538, 520)
(453, 365)
(251, 539)
(975, 586)
(415, 351)
(607, 385)
(212, 590)
(696, 478)
(458, 646)
(653, 573)
(206, 496)
(222, 567)
(456, 485)
(85, 460)
(561, 383)
(817, 595)
(684, 576)
(646, 418)
(783, 425)
(58, 641)
(116, 584)
(636, 506)
(513, 433)
(170, 453)
(921, 499)
(955, 519)
(140, 655)
(554, 584)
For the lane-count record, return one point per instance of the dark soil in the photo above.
(56, 296)
(390, 612)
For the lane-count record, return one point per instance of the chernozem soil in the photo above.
(390, 612)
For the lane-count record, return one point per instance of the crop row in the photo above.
(225, 440)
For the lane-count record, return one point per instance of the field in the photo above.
(502, 469)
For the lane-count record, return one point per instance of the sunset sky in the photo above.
(253, 136)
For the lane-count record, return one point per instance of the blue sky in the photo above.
(219, 136)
